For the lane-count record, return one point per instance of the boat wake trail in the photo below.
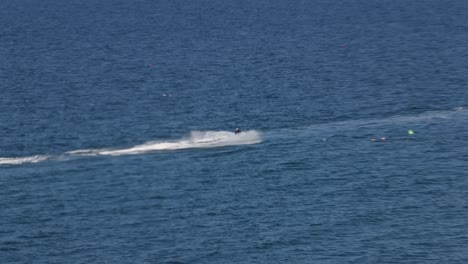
(213, 139)
(197, 139)
(17, 161)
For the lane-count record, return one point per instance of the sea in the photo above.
(117, 140)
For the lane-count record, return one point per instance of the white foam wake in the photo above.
(197, 139)
(15, 161)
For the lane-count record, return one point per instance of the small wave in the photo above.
(428, 116)
(16, 161)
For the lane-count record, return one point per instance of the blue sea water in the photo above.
(116, 122)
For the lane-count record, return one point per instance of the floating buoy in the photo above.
(410, 132)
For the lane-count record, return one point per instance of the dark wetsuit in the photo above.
(237, 131)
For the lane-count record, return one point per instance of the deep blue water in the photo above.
(116, 122)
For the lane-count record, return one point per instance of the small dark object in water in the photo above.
(237, 131)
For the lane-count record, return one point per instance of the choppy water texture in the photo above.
(116, 122)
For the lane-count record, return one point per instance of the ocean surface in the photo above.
(117, 120)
